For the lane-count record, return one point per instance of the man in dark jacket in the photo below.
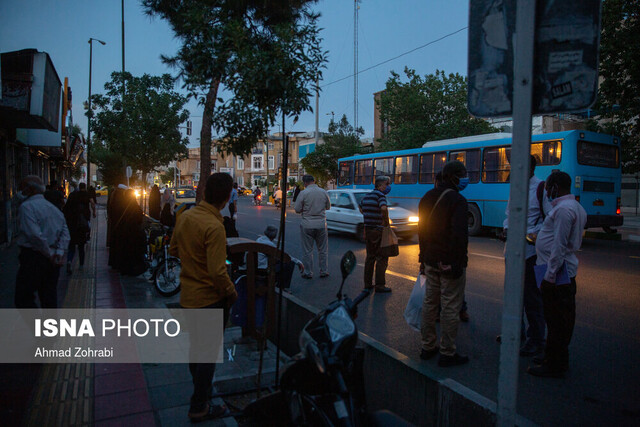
(443, 236)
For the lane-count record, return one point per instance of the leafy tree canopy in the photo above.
(343, 140)
(618, 105)
(425, 109)
(168, 176)
(266, 56)
(109, 164)
(142, 127)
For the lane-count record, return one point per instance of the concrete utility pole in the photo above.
(519, 196)
(89, 109)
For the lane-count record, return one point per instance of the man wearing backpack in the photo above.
(533, 309)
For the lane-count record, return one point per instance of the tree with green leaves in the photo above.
(168, 176)
(109, 164)
(618, 107)
(144, 126)
(342, 140)
(265, 55)
(425, 109)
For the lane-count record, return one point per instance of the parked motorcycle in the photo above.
(163, 269)
(313, 385)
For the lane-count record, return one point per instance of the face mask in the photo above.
(387, 190)
(463, 183)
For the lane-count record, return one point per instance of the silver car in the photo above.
(345, 215)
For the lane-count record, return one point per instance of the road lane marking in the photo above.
(485, 255)
(393, 273)
(633, 256)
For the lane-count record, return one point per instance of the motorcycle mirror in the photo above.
(347, 264)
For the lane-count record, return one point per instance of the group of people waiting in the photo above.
(555, 222)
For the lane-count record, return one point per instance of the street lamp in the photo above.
(89, 109)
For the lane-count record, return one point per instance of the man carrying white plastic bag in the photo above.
(413, 312)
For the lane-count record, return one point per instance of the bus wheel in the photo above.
(475, 220)
(609, 230)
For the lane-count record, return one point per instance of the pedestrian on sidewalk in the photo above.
(443, 238)
(54, 195)
(130, 240)
(77, 212)
(556, 245)
(42, 238)
(115, 207)
(374, 209)
(233, 202)
(532, 300)
(199, 241)
(313, 203)
(154, 202)
(167, 197)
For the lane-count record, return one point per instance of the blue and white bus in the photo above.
(591, 159)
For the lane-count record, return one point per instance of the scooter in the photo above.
(313, 385)
(257, 200)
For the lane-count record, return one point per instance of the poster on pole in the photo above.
(567, 39)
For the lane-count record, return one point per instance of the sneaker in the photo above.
(545, 371)
(455, 360)
(464, 316)
(428, 354)
(382, 289)
(307, 276)
(323, 275)
(530, 348)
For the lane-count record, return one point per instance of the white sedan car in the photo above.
(345, 215)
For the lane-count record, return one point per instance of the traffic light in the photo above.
(280, 174)
(188, 127)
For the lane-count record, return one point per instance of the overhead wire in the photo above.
(397, 56)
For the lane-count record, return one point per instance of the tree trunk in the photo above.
(205, 138)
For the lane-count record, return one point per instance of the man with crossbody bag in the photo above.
(443, 237)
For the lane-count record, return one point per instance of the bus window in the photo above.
(496, 164)
(344, 173)
(547, 152)
(471, 160)
(430, 165)
(363, 173)
(406, 170)
(601, 155)
(384, 167)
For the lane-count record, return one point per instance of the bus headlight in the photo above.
(414, 219)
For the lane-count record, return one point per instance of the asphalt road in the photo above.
(603, 385)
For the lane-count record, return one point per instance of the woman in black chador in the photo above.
(128, 241)
(77, 213)
(154, 203)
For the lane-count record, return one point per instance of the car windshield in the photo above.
(186, 194)
(360, 196)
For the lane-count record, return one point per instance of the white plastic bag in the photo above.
(413, 312)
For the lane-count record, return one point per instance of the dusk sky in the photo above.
(387, 28)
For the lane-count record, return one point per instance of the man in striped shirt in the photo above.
(376, 216)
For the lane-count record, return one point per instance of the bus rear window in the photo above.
(496, 164)
(471, 160)
(406, 170)
(430, 165)
(601, 155)
(547, 152)
(344, 173)
(363, 173)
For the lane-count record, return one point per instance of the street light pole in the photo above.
(90, 111)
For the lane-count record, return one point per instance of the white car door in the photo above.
(350, 215)
(332, 213)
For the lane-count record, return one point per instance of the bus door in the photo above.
(597, 184)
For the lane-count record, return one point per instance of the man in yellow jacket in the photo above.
(199, 241)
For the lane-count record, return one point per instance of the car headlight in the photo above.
(414, 219)
(340, 324)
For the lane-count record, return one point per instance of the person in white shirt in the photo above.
(538, 205)
(312, 204)
(556, 246)
(270, 234)
(42, 238)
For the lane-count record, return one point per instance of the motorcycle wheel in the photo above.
(167, 277)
